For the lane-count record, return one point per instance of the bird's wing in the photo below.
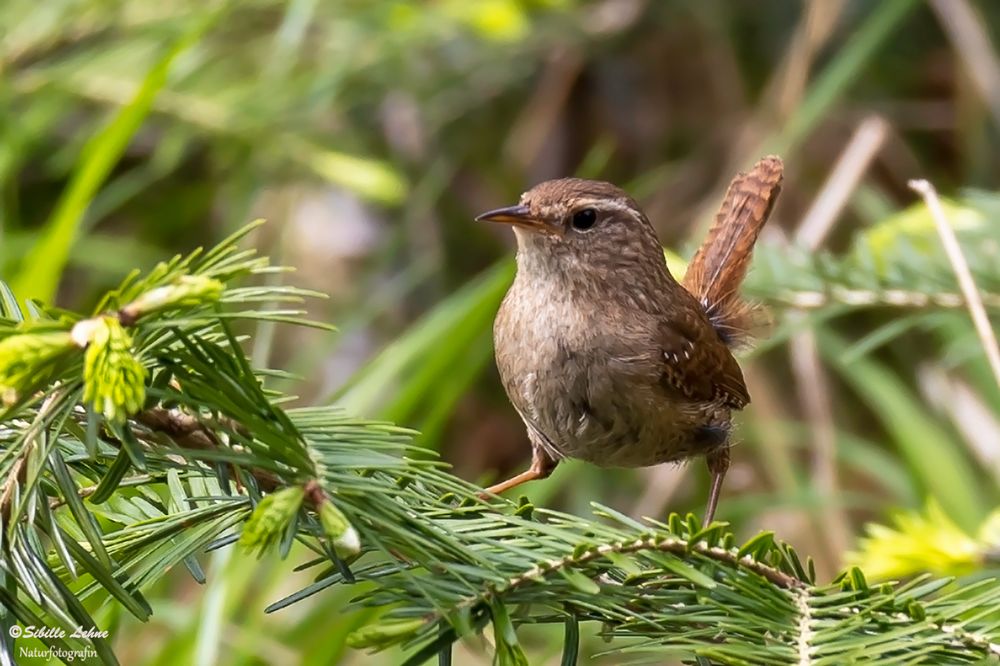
(696, 364)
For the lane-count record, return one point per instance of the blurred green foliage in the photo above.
(132, 130)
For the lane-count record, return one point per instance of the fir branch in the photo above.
(898, 264)
(659, 543)
(189, 432)
(897, 298)
(805, 631)
(210, 457)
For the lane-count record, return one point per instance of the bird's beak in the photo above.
(519, 216)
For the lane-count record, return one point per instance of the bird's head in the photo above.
(583, 229)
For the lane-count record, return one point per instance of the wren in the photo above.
(605, 356)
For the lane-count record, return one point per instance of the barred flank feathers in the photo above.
(718, 268)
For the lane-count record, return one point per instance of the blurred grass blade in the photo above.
(375, 180)
(41, 269)
(884, 18)
(938, 461)
(407, 368)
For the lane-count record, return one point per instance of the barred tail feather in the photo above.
(717, 270)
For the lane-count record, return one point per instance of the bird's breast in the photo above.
(582, 382)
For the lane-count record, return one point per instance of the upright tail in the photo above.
(717, 270)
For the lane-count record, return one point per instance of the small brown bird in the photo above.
(605, 356)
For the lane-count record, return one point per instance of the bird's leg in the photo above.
(541, 467)
(718, 465)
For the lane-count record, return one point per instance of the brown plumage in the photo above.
(718, 267)
(603, 353)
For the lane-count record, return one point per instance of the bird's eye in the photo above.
(584, 219)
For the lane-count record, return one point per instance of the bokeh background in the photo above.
(370, 133)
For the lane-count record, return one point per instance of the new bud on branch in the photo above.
(114, 380)
(26, 358)
(187, 290)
